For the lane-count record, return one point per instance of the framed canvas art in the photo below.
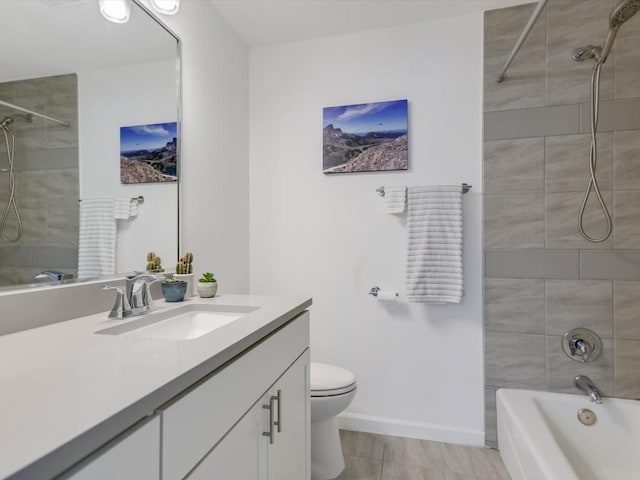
(367, 137)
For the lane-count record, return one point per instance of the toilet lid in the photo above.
(329, 377)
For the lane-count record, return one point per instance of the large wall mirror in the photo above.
(69, 166)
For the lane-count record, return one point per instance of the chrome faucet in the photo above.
(138, 294)
(58, 277)
(585, 384)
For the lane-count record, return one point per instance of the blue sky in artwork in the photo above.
(147, 137)
(368, 117)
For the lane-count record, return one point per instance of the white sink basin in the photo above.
(187, 325)
(184, 323)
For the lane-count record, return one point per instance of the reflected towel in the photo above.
(395, 199)
(434, 234)
(125, 208)
(97, 247)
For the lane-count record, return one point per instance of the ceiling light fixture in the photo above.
(116, 11)
(166, 7)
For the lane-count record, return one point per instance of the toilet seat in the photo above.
(329, 380)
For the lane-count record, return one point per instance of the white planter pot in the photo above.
(190, 279)
(207, 289)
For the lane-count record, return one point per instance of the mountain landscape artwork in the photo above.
(148, 153)
(367, 137)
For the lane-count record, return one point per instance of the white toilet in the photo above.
(332, 389)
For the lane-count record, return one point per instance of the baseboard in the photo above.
(403, 428)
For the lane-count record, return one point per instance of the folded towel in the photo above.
(97, 247)
(125, 208)
(434, 253)
(395, 199)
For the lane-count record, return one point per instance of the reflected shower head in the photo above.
(6, 121)
(619, 15)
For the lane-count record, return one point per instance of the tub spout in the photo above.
(585, 384)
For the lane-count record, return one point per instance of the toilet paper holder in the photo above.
(375, 290)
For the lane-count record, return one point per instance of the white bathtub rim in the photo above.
(545, 449)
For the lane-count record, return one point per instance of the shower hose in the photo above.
(10, 142)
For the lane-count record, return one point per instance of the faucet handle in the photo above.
(582, 345)
(121, 308)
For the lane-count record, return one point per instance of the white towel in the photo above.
(124, 208)
(97, 248)
(434, 231)
(395, 199)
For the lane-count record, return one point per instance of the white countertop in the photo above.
(65, 390)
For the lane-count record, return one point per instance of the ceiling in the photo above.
(53, 37)
(268, 22)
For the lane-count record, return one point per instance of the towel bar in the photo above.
(465, 188)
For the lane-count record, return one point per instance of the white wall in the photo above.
(419, 368)
(215, 133)
(119, 97)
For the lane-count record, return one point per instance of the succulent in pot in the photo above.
(173, 289)
(207, 285)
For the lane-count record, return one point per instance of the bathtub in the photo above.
(541, 438)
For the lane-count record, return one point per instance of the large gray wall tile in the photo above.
(561, 221)
(55, 257)
(514, 221)
(626, 310)
(567, 162)
(532, 264)
(610, 265)
(53, 158)
(579, 303)
(614, 115)
(514, 166)
(627, 369)
(525, 82)
(532, 122)
(515, 360)
(561, 370)
(626, 219)
(627, 59)
(626, 164)
(490, 417)
(514, 305)
(572, 24)
(15, 256)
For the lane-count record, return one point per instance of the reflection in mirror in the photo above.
(65, 94)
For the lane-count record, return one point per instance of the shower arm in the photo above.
(523, 36)
(34, 114)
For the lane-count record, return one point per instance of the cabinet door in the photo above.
(289, 453)
(241, 454)
(134, 455)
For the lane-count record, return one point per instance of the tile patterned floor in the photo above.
(381, 457)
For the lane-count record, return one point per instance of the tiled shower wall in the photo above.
(46, 166)
(541, 277)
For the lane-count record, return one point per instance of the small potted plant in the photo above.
(207, 285)
(173, 289)
(184, 271)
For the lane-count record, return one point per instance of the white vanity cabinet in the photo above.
(216, 429)
(270, 442)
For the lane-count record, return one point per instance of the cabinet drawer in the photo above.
(197, 421)
(136, 454)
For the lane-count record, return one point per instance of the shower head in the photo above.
(619, 15)
(6, 121)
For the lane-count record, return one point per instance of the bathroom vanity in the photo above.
(161, 396)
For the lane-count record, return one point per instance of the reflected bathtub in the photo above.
(541, 438)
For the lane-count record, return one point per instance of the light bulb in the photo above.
(167, 7)
(116, 11)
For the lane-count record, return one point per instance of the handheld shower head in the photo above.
(6, 121)
(619, 15)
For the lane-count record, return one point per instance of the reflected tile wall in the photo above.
(536, 158)
(47, 187)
